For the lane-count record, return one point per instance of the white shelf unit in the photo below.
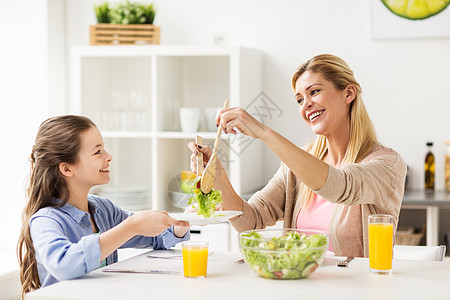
(133, 93)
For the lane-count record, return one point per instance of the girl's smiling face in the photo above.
(323, 107)
(93, 160)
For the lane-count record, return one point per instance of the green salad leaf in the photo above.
(291, 256)
(205, 203)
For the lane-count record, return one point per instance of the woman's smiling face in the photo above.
(323, 107)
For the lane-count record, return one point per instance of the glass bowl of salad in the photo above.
(283, 253)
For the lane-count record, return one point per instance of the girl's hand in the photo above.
(180, 231)
(237, 118)
(153, 222)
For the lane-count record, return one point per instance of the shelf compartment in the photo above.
(189, 135)
(127, 134)
(192, 82)
(115, 92)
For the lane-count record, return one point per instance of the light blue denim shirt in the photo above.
(66, 247)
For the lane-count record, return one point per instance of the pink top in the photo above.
(317, 216)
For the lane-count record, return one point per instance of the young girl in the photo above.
(66, 232)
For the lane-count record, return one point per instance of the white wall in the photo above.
(56, 55)
(404, 81)
(23, 105)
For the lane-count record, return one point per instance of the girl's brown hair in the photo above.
(57, 141)
(362, 132)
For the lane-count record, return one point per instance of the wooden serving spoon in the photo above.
(199, 142)
(209, 174)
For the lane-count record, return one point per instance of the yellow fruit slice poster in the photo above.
(393, 19)
(416, 9)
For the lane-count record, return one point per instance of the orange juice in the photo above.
(380, 247)
(195, 259)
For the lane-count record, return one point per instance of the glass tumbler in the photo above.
(381, 231)
(195, 258)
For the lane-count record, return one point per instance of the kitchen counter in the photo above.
(229, 280)
(431, 202)
(422, 198)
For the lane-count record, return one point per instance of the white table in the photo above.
(228, 280)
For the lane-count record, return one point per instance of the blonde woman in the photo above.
(332, 184)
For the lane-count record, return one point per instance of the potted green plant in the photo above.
(126, 12)
(127, 22)
(133, 13)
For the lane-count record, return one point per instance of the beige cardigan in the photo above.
(373, 186)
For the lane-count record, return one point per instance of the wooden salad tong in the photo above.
(209, 174)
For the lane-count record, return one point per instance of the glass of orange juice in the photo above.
(381, 231)
(195, 258)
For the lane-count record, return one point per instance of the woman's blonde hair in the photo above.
(362, 132)
(57, 141)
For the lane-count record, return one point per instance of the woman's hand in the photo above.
(207, 152)
(231, 200)
(153, 222)
(237, 118)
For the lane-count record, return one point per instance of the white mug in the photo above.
(189, 119)
(210, 118)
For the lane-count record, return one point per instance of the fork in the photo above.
(171, 256)
(345, 262)
(164, 257)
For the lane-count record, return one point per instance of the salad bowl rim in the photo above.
(309, 231)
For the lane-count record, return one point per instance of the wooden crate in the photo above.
(118, 34)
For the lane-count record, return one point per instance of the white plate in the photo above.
(194, 219)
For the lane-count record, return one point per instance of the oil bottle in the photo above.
(447, 166)
(429, 168)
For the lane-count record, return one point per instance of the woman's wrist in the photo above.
(265, 134)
